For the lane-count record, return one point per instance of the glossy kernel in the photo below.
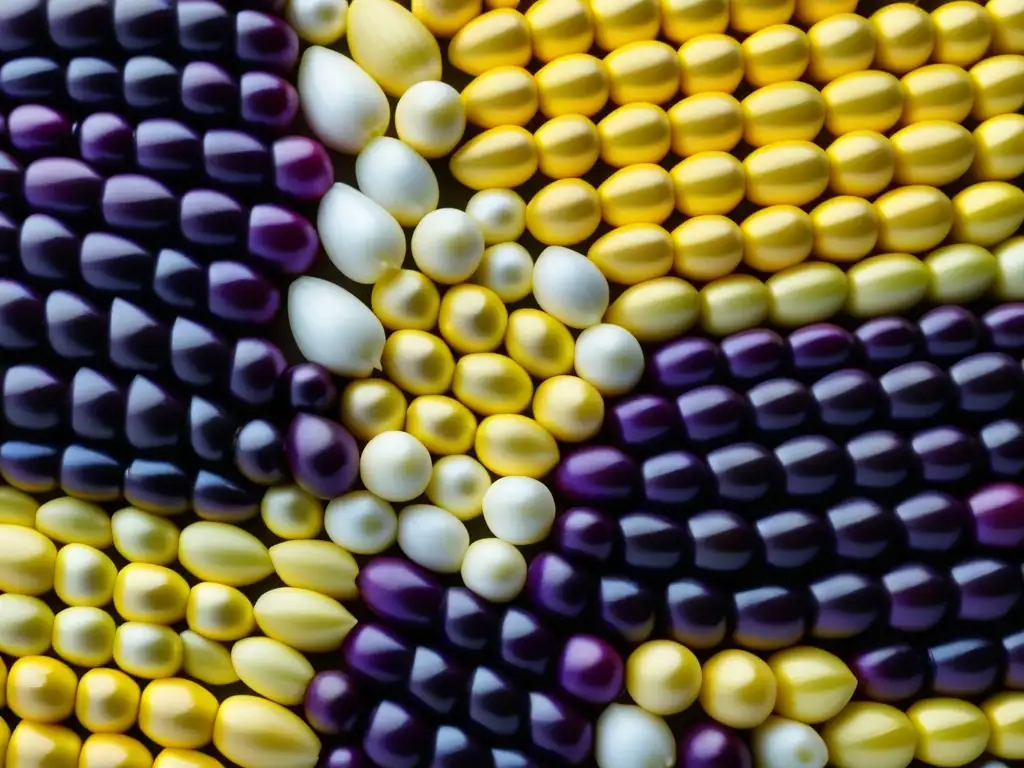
(656, 310)
(777, 237)
(937, 92)
(738, 689)
(497, 38)
(932, 152)
(906, 37)
(806, 293)
(255, 733)
(862, 164)
(840, 44)
(709, 183)
(913, 219)
(511, 445)
(775, 54)
(635, 133)
(577, 83)
(870, 734)
(219, 612)
(370, 407)
(637, 194)
(115, 751)
(710, 63)
(783, 111)
(706, 122)
(813, 685)
(539, 343)
(863, 101)
(732, 304)
(633, 254)
(502, 157)
(619, 22)
(444, 425)
(107, 701)
(150, 593)
(845, 229)
(568, 407)
(560, 28)
(491, 384)
(963, 33)
(707, 247)
(406, 298)
(987, 213)
(28, 560)
(418, 362)
(567, 146)
(999, 148)
(682, 20)
(41, 689)
(950, 732)
(502, 96)
(786, 173)
(177, 713)
(565, 212)
(647, 71)
(663, 677)
(40, 744)
(84, 636)
(149, 651)
(472, 319)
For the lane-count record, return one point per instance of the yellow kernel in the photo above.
(656, 310)
(444, 17)
(206, 660)
(862, 163)
(560, 28)
(987, 213)
(539, 343)
(950, 732)
(998, 86)
(490, 384)
(839, 45)
(963, 33)
(707, 122)
(682, 20)
(370, 407)
(783, 111)
(1009, 285)
(937, 92)
(786, 173)
(27, 627)
(187, 758)
(513, 445)
(40, 744)
(870, 734)
(663, 677)
(633, 254)
(635, 133)
(150, 593)
(732, 304)
(813, 11)
(933, 152)
(575, 84)
(406, 298)
(107, 701)
(707, 247)
(498, 38)
(619, 22)
(807, 293)
(845, 229)
(637, 194)
(738, 689)
(305, 620)
(224, 554)
(776, 238)
(41, 689)
(73, 521)
(886, 284)
(17, 507)
(84, 636)
(569, 408)
(256, 733)
(862, 101)
(272, 669)
(913, 219)
(564, 212)
(458, 484)
(567, 146)
(28, 560)
(472, 319)
(813, 685)
(709, 183)
(906, 37)
(291, 513)
(177, 713)
(444, 425)
(1007, 26)
(321, 566)
(418, 362)
(710, 63)
(999, 148)
(501, 96)
(960, 274)
(84, 576)
(646, 70)
(751, 15)
(114, 751)
(775, 54)
(147, 650)
(1005, 713)
(219, 612)
(141, 537)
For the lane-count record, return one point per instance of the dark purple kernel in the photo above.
(93, 82)
(916, 391)
(394, 737)
(302, 168)
(138, 203)
(651, 542)
(862, 529)
(240, 294)
(219, 499)
(61, 185)
(157, 486)
(21, 317)
(744, 472)
(48, 249)
(754, 354)
(467, 622)
(282, 240)
(780, 405)
(891, 673)
(137, 341)
(322, 456)
(435, 682)
(965, 667)
(454, 749)
(673, 478)
(918, 598)
(507, 758)
(847, 398)
(207, 90)
(399, 592)
(332, 703)
(626, 609)
(308, 387)
(1013, 650)
(768, 618)
(821, 347)
(586, 533)
(881, 459)
(845, 605)
(1005, 324)
(8, 240)
(37, 129)
(211, 218)
(710, 745)
(204, 26)
(376, 655)
(90, 474)
(998, 515)
(1004, 447)
(933, 521)
(696, 613)
(198, 356)
(210, 430)
(495, 704)
(987, 589)
(10, 176)
(265, 41)
(557, 731)
(685, 363)
(344, 757)
(722, 540)
(590, 670)
(946, 454)
(596, 474)
(888, 341)
(255, 368)
(987, 382)
(950, 332)
(153, 418)
(642, 420)
(811, 464)
(150, 83)
(143, 24)
(75, 24)
(524, 643)
(33, 398)
(166, 146)
(178, 280)
(114, 264)
(106, 140)
(268, 101)
(791, 538)
(22, 25)
(29, 466)
(233, 157)
(96, 405)
(31, 78)
(75, 328)
(712, 413)
(259, 453)
(556, 587)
